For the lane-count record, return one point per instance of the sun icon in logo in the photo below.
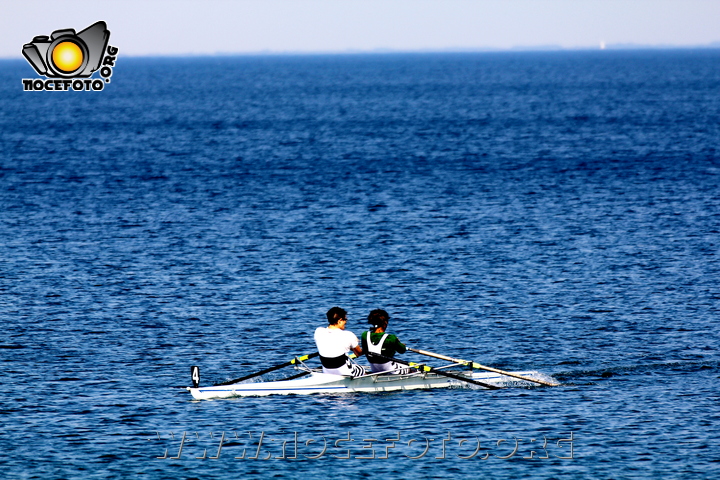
(67, 56)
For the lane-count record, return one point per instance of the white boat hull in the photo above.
(334, 384)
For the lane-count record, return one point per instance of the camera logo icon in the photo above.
(67, 54)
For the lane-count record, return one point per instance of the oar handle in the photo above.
(481, 367)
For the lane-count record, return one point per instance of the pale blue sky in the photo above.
(179, 27)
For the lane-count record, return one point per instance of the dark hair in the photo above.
(378, 317)
(335, 314)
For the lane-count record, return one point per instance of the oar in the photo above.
(481, 367)
(271, 369)
(425, 368)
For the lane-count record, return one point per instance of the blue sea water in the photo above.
(557, 212)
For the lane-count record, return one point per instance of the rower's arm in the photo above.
(357, 350)
(398, 345)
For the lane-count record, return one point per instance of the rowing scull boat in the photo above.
(318, 382)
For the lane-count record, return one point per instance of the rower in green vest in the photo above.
(376, 341)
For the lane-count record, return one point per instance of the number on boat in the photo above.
(195, 375)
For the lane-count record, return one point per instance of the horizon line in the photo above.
(389, 51)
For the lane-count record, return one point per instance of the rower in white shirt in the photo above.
(334, 342)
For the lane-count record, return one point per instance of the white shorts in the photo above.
(390, 367)
(350, 370)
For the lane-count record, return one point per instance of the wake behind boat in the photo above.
(316, 382)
